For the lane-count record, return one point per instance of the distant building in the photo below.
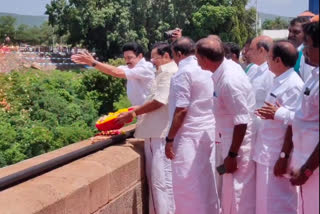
(314, 6)
(276, 34)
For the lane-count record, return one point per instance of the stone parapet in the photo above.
(110, 181)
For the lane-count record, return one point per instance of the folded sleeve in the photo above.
(162, 89)
(182, 89)
(237, 104)
(284, 115)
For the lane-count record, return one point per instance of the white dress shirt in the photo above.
(286, 90)
(192, 88)
(155, 124)
(140, 80)
(261, 80)
(234, 104)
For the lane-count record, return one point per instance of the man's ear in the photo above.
(140, 56)
(179, 54)
(278, 60)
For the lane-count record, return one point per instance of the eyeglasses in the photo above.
(128, 58)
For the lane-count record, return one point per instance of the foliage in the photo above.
(7, 28)
(42, 111)
(106, 25)
(43, 35)
(276, 24)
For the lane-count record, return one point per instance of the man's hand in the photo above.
(124, 118)
(83, 58)
(299, 179)
(231, 165)
(281, 167)
(101, 119)
(177, 34)
(169, 151)
(268, 111)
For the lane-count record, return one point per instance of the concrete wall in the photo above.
(111, 181)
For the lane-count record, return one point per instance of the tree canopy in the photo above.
(106, 25)
(276, 24)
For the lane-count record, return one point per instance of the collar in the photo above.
(143, 60)
(167, 66)
(187, 60)
(283, 77)
(218, 73)
(300, 48)
(263, 67)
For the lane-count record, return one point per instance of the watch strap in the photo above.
(233, 154)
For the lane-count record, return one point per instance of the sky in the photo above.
(289, 8)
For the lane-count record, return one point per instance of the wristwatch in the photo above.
(284, 155)
(94, 64)
(168, 140)
(232, 155)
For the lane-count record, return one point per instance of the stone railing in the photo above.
(110, 181)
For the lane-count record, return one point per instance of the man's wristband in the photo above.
(168, 140)
(232, 155)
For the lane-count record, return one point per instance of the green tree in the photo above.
(7, 27)
(228, 19)
(276, 24)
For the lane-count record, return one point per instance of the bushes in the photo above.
(42, 111)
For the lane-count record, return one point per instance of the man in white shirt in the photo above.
(305, 126)
(190, 141)
(247, 65)
(153, 127)
(275, 194)
(138, 72)
(262, 78)
(234, 107)
(302, 67)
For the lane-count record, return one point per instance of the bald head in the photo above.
(286, 51)
(216, 37)
(184, 45)
(210, 48)
(263, 42)
(259, 48)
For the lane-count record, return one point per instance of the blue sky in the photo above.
(277, 7)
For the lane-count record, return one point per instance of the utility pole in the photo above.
(257, 18)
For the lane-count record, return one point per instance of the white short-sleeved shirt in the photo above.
(305, 69)
(234, 104)
(262, 81)
(305, 125)
(140, 80)
(192, 88)
(155, 124)
(286, 90)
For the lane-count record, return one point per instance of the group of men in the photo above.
(201, 113)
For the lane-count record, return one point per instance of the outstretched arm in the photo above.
(86, 59)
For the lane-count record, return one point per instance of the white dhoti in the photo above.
(194, 185)
(218, 162)
(239, 189)
(275, 194)
(309, 195)
(159, 174)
